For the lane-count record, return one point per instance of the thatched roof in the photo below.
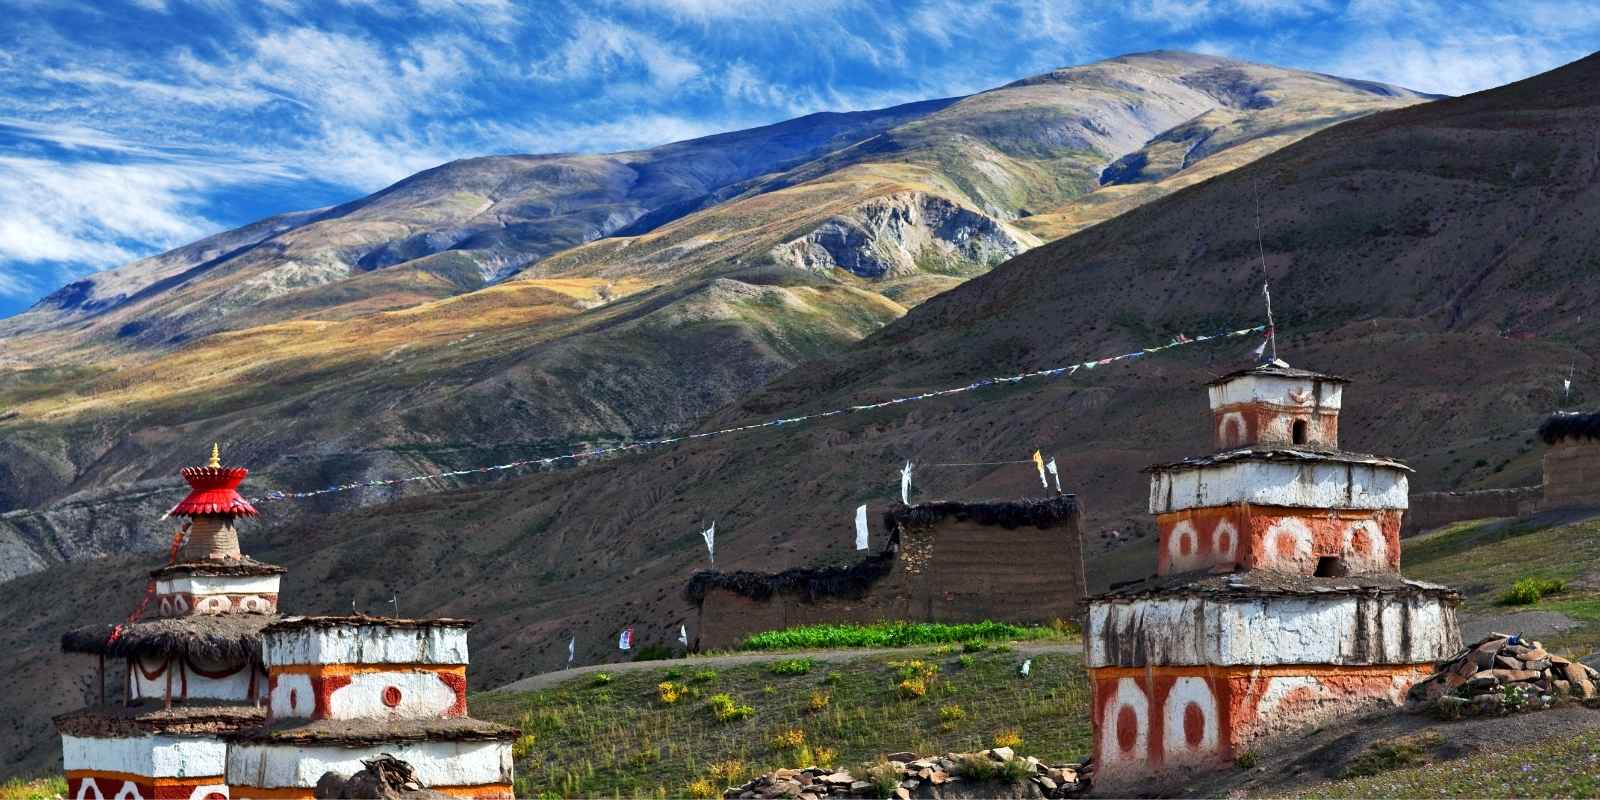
(243, 567)
(375, 731)
(1013, 514)
(1570, 425)
(1277, 369)
(205, 718)
(809, 583)
(215, 637)
(353, 620)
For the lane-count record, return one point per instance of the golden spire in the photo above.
(216, 456)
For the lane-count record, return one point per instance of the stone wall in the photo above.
(1571, 474)
(947, 562)
(1430, 510)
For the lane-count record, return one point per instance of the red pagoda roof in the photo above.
(215, 490)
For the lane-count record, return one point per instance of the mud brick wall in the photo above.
(955, 570)
(1430, 510)
(1572, 474)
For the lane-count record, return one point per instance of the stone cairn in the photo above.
(924, 777)
(1503, 673)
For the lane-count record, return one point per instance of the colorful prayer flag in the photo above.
(625, 641)
(1038, 461)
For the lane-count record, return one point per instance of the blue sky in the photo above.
(129, 128)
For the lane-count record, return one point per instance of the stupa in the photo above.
(1277, 604)
(351, 688)
(194, 670)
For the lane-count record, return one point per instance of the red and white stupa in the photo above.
(193, 664)
(1278, 602)
(350, 688)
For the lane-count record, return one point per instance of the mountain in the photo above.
(1403, 247)
(494, 308)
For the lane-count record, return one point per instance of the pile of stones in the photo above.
(920, 777)
(1504, 673)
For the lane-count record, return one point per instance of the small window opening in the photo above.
(1331, 567)
(1299, 432)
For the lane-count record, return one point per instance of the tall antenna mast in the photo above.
(1261, 247)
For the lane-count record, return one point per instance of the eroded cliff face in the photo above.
(903, 233)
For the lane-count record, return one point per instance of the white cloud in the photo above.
(1450, 65)
(609, 50)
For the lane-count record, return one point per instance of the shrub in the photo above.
(1247, 760)
(890, 634)
(943, 650)
(792, 737)
(966, 660)
(974, 646)
(702, 789)
(726, 709)
(523, 745)
(703, 676)
(819, 700)
(793, 666)
(669, 692)
(911, 688)
(824, 756)
(600, 679)
(672, 674)
(915, 668)
(950, 717)
(730, 771)
(980, 767)
(833, 679)
(885, 778)
(1008, 738)
(1530, 590)
(653, 652)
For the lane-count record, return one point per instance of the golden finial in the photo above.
(216, 456)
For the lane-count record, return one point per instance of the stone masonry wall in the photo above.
(1571, 474)
(1430, 510)
(953, 571)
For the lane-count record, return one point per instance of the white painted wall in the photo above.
(1294, 392)
(1271, 630)
(365, 644)
(422, 695)
(437, 763)
(1293, 484)
(151, 756)
(231, 687)
(219, 584)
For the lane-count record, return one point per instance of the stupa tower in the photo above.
(1277, 603)
(191, 648)
(347, 689)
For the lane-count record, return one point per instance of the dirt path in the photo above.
(548, 679)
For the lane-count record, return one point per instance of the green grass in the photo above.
(620, 739)
(1564, 766)
(37, 789)
(1527, 591)
(896, 634)
(1386, 756)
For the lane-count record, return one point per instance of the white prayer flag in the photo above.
(1054, 473)
(1038, 461)
(1261, 351)
(1027, 667)
(861, 527)
(710, 535)
(625, 641)
(1566, 386)
(572, 650)
(905, 484)
(683, 635)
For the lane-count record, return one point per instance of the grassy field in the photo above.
(38, 789)
(901, 634)
(692, 731)
(1484, 560)
(1562, 767)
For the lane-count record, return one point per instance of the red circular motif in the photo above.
(291, 699)
(391, 696)
(1127, 728)
(1194, 724)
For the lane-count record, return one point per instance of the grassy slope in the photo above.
(594, 739)
(1559, 767)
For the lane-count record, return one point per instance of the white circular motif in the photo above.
(86, 786)
(1376, 557)
(1131, 698)
(1231, 429)
(1182, 533)
(1225, 541)
(130, 791)
(1298, 535)
(1187, 692)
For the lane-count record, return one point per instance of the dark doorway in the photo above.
(1299, 431)
(1331, 567)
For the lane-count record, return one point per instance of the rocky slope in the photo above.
(1403, 246)
(495, 308)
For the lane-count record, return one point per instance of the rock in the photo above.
(1001, 754)
(1465, 668)
(938, 777)
(1558, 660)
(1482, 681)
(1537, 664)
(330, 786)
(1507, 662)
(901, 793)
(857, 787)
(1489, 703)
(1514, 675)
(839, 779)
(1534, 654)
(805, 779)
(901, 757)
(809, 796)
(1046, 783)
